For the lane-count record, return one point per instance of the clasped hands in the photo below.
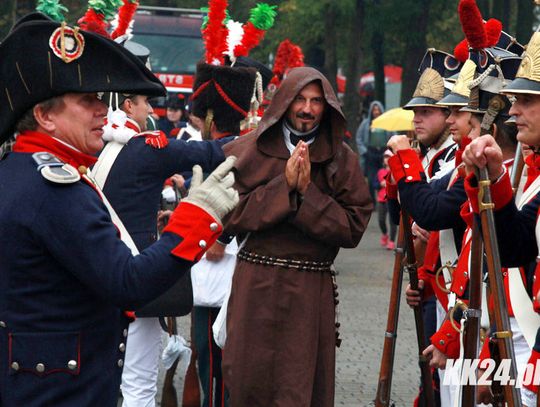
(298, 168)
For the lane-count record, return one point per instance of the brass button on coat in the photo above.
(40, 367)
(72, 365)
(15, 366)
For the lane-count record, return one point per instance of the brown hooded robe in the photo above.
(280, 348)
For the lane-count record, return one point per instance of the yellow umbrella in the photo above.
(397, 119)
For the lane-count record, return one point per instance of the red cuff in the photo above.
(501, 192)
(533, 360)
(406, 164)
(197, 229)
(391, 187)
(446, 339)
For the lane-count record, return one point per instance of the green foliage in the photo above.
(52, 8)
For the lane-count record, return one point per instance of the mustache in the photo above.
(305, 116)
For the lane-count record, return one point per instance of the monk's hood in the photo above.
(333, 124)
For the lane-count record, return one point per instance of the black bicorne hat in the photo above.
(266, 73)
(437, 67)
(446, 64)
(41, 59)
(224, 89)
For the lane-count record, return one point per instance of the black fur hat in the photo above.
(41, 59)
(224, 89)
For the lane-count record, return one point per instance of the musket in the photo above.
(384, 386)
(473, 313)
(411, 267)
(502, 323)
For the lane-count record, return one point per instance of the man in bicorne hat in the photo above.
(65, 275)
(303, 197)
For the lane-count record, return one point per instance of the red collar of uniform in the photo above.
(464, 142)
(533, 161)
(132, 124)
(34, 142)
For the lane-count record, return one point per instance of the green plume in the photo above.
(106, 7)
(205, 18)
(262, 16)
(52, 8)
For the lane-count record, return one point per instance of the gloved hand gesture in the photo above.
(216, 194)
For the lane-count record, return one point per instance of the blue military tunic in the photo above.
(135, 181)
(65, 277)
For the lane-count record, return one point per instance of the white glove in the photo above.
(216, 194)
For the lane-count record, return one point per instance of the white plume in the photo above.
(236, 33)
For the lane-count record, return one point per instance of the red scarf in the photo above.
(34, 142)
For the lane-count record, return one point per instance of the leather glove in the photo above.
(216, 194)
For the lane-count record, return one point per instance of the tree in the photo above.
(377, 48)
(525, 20)
(354, 68)
(415, 45)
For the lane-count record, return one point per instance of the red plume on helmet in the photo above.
(125, 17)
(472, 24)
(289, 55)
(461, 51)
(215, 33)
(493, 29)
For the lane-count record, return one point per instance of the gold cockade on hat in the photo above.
(466, 76)
(430, 85)
(530, 65)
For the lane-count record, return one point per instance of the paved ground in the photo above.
(364, 284)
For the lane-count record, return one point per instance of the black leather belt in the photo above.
(301, 265)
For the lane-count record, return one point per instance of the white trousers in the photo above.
(521, 351)
(139, 378)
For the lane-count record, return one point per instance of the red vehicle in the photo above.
(173, 36)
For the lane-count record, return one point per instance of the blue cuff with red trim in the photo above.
(446, 339)
(197, 229)
(501, 191)
(406, 164)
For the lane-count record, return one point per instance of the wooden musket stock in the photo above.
(471, 337)
(502, 323)
(384, 386)
(411, 268)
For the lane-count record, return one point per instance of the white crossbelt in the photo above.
(528, 320)
(98, 176)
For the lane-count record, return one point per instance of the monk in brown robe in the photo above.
(302, 197)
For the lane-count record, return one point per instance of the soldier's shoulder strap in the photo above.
(55, 170)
